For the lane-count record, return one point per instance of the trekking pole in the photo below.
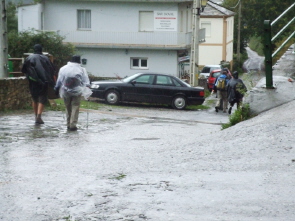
(87, 112)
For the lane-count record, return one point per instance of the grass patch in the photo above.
(197, 107)
(60, 106)
(241, 114)
(120, 176)
(67, 218)
(207, 93)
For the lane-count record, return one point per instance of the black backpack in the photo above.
(72, 82)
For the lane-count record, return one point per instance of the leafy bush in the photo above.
(241, 114)
(256, 45)
(23, 42)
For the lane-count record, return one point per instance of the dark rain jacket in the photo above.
(236, 90)
(38, 68)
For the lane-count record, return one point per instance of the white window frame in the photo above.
(139, 67)
(84, 19)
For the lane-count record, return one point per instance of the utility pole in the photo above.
(239, 32)
(3, 42)
(194, 57)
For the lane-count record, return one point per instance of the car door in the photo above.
(163, 89)
(139, 90)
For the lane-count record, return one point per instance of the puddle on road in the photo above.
(146, 138)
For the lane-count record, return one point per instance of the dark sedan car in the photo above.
(149, 88)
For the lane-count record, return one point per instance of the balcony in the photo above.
(169, 40)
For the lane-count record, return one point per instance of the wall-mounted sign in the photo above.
(165, 20)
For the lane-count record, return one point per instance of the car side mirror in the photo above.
(133, 82)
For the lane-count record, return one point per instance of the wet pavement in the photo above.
(118, 159)
(159, 164)
(147, 164)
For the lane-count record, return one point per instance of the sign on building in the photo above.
(165, 20)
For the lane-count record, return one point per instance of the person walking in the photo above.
(221, 88)
(72, 83)
(236, 90)
(40, 73)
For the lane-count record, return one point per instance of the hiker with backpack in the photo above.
(221, 87)
(72, 83)
(236, 90)
(40, 73)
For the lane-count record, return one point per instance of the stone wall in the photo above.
(14, 93)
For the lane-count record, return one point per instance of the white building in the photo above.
(123, 37)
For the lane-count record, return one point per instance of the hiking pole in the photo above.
(87, 112)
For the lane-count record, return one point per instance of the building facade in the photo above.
(120, 38)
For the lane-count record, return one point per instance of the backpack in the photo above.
(72, 82)
(221, 84)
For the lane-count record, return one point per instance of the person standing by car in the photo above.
(221, 88)
(236, 90)
(40, 72)
(72, 83)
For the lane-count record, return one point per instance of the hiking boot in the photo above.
(216, 109)
(39, 119)
(73, 128)
(229, 110)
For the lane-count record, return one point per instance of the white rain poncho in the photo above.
(73, 81)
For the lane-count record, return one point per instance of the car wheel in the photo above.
(179, 103)
(112, 97)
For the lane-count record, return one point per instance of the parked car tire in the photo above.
(112, 97)
(179, 102)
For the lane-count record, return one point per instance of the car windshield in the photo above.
(130, 78)
(206, 70)
(216, 74)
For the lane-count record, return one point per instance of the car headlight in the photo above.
(94, 86)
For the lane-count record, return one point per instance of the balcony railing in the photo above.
(176, 39)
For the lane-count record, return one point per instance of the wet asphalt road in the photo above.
(119, 165)
(148, 164)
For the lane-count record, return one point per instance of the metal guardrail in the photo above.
(268, 44)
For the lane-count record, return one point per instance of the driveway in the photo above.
(147, 164)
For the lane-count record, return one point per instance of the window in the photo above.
(139, 63)
(146, 21)
(207, 26)
(84, 19)
(176, 83)
(164, 80)
(145, 79)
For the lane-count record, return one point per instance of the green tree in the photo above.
(11, 17)
(254, 12)
(23, 42)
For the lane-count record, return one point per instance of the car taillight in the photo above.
(202, 94)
